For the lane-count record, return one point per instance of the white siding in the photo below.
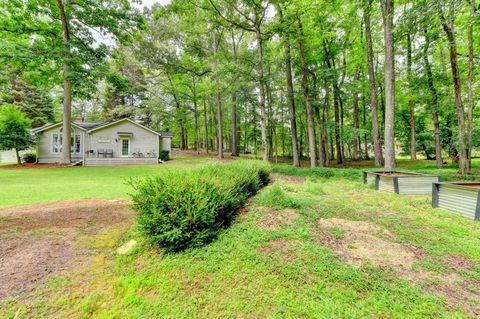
(10, 156)
(141, 139)
(166, 144)
(45, 152)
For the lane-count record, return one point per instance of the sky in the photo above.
(149, 3)
(102, 39)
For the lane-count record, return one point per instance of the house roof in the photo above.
(93, 126)
(52, 125)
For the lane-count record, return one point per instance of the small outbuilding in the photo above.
(119, 142)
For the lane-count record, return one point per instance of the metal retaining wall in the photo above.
(416, 185)
(456, 199)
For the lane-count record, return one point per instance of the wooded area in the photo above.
(323, 81)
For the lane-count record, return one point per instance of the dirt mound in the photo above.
(65, 214)
(358, 242)
(275, 219)
(364, 242)
(40, 240)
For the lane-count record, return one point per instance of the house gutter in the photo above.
(83, 149)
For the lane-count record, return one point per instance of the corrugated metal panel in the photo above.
(458, 200)
(370, 178)
(416, 185)
(386, 184)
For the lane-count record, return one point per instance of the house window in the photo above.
(76, 144)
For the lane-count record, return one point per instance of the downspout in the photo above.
(83, 148)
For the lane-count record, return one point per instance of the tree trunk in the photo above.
(308, 107)
(234, 126)
(205, 122)
(195, 112)
(263, 117)
(388, 12)
(434, 94)
(365, 135)
(67, 91)
(17, 154)
(377, 147)
(470, 81)
(338, 145)
(291, 101)
(411, 101)
(218, 101)
(463, 160)
(356, 139)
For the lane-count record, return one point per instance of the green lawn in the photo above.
(29, 186)
(383, 256)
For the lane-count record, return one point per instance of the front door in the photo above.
(125, 147)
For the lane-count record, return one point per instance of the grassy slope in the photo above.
(29, 186)
(236, 277)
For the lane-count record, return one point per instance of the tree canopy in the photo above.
(322, 81)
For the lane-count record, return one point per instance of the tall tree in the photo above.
(470, 79)
(306, 97)
(411, 101)
(66, 31)
(448, 24)
(434, 102)
(387, 13)
(372, 85)
(290, 91)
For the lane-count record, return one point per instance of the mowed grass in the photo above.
(30, 186)
(262, 267)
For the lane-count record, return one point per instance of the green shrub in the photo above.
(180, 210)
(29, 158)
(164, 155)
(320, 172)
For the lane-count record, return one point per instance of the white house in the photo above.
(97, 144)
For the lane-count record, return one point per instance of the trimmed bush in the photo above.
(185, 209)
(164, 155)
(29, 158)
(320, 172)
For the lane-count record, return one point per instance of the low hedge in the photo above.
(320, 172)
(185, 209)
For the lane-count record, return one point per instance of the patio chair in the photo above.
(101, 152)
(109, 153)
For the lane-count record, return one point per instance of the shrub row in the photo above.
(185, 209)
(320, 172)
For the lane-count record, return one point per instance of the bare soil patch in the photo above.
(365, 242)
(37, 241)
(286, 248)
(287, 178)
(274, 219)
(35, 165)
(362, 242)
(457, 263)
(64, 214)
